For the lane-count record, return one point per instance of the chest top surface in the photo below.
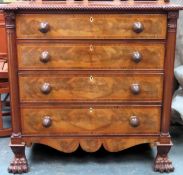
(92, 5)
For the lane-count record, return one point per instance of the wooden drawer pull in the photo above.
(46, 88)
(44, 27)
(135, 88)
(45, 57)
(136, 57)
(138, 27)
(134, 121)
(47, 121)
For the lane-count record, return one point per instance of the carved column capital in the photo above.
(172, 21)
(10, 19)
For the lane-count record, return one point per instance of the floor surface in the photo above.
(134, 161)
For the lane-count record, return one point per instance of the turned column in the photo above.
(19, 163)
(162, 163)
(13, 71)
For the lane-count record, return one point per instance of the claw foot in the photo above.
(18, 166)
(163, 164)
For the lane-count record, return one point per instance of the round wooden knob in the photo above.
(138, 27)
(46, 88)
(134, 121)
(137, 57)
(44, 27)
(45, 57)
(135, 88)
(47, 121)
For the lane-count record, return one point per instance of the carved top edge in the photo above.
(95, 5)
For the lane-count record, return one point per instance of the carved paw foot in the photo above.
(163, 164)
(18, 166)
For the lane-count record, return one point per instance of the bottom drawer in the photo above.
(91, 120)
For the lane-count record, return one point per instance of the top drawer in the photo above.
(91, 26)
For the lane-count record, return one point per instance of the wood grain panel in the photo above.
(91, 120)
(74, 26)
(91, 56)
(69, 145)
(3, 43)
(93, 87)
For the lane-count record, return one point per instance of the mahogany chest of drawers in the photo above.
(90, 75)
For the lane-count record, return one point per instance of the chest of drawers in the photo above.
(90, 75)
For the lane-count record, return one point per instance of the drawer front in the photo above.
(91, 56)
(91, 26)
(91, 120)
(115, 87)
(3, 46)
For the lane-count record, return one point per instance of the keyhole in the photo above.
(91, 48)
(91, 110)
(91, 19)
(91, 78)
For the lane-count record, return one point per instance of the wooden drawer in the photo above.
(91, 26)
(91, 56)
(91, 120)
(90, 87)
(3, 45)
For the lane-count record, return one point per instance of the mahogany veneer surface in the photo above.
(91, 120)
(91, 55)
(91, 26)
(92, 87)
(3, 45)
